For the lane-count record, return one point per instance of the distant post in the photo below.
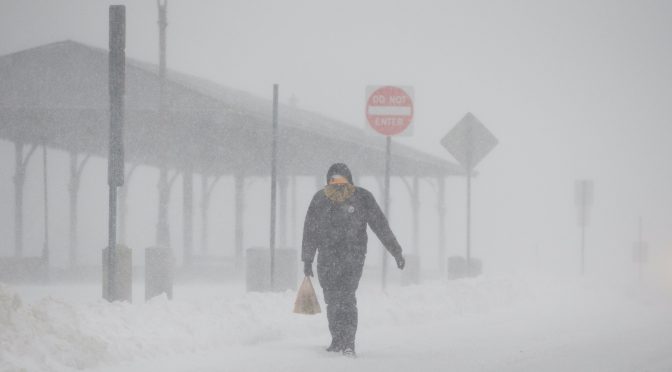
(116, 261)
(584, 198)
(274, 176)
(640, 251)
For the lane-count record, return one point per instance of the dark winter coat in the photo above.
(338, 231)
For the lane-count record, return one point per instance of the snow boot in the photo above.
(335, 347)
(349, 352)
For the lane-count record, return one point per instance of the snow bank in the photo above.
(53, 334)
(439, 300)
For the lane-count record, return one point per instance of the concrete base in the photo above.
(411, 273)
(476, 268)
(119, 287)
(159, 272)
(457, 267)
(258, 270)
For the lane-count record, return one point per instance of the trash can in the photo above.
(258, 269)
(159, 272)
(457, 267)
(476, 267)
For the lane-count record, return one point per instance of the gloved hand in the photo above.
(401, 261)
(308, 268)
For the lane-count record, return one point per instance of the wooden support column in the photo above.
(206, 190)
(123, 204)
(205, 203)
(441, 209)
(165, 186)
(414, 193)
(162, 229)
(381, 189)
(19, 180)
(415, 206)
(283, 182)
(45, 190)
(239, 217)
(76, 169)
(293, 207)
(21, 163)
(188, 215)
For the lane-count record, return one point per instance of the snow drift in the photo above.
(53, 334)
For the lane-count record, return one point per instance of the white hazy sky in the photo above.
(572, 89)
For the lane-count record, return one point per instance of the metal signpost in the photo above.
(274, 176)
(164, 186)
(115, 165)
(469, 142)
(389, 111)
(584, 198)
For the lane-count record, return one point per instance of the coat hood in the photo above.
(342, 169)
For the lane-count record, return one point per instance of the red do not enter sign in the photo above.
(389, 109)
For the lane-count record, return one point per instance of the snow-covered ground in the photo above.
(483, 324)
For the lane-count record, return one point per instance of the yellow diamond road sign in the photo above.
(469, 141)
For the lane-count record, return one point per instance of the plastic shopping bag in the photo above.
(306, 299)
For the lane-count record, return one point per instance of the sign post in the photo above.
(469, 142)
(116, 260)
(389, 111)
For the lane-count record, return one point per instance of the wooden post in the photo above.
(188, 215)
(19, 178)
(239, 217)
(441, 209)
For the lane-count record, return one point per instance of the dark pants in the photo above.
(339, 280)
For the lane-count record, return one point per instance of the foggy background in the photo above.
(572, 89)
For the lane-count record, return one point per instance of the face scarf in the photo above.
(339, 190)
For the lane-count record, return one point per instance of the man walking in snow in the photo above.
(335, 227)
